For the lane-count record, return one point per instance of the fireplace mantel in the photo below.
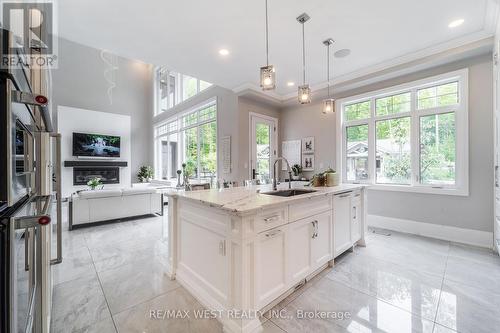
(95, 163)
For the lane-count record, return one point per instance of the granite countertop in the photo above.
(244, 200)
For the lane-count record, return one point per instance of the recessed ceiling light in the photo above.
(456, 23)
(342, 53)
(224, 52)
(290, 84)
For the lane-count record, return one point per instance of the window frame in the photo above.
(178, 95)
(461, 186)
(178, 119)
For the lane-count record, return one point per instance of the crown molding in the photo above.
(461, 48)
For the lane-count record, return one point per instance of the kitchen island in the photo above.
(240, 251)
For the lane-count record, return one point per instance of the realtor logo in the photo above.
(32, 26)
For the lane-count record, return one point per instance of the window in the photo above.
(189, 138)
(412, 137)
(174, 88)
(357, 153)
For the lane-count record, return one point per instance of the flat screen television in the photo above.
(96, 145)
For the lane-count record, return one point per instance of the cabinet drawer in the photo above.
(309, 207)
(270, 218)
(356, 197)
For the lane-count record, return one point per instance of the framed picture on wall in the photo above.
(308, 162)
(308, 145)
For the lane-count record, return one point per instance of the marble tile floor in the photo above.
(113, 276)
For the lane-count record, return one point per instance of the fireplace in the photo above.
(108, 175)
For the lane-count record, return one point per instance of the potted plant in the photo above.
(331, 177)
(94, 182)
(297, 170)
(145, 174)
(318, 180)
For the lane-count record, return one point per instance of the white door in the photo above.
(342, 223)
(263, 140)
(321, 244)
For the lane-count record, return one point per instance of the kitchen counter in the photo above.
(245, 200)
(240, 251)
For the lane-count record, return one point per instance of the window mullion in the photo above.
(414, 140)
(198, 133)
(372, 147)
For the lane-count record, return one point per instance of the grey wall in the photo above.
(472, 212)
(79, 82)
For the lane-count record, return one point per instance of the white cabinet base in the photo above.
(249, 263)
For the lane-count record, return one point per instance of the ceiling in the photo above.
(186, 35)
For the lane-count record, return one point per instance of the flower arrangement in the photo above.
(94, 182)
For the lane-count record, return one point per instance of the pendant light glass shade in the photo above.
(267, 77)
(329, 105)
(304, 94)
(267, 73)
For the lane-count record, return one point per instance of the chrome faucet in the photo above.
(275, 183)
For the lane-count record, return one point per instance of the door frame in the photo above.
(252, 115)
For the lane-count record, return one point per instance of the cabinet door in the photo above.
(342, 223)
(356, 221)
(208, 267)
(321, 244)
(270, 265)
(299, 249)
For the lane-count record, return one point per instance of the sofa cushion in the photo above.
(138, 190)
(100, 194)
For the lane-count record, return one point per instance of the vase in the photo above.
(295, 177)
(332, 179)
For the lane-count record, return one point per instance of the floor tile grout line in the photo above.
(442, 284)
(145, 301)
(104, 295)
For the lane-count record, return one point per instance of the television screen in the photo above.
(97, 145)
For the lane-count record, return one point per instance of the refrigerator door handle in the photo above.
(58, 164)
(26, 249)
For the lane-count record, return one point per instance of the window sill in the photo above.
(420, 189)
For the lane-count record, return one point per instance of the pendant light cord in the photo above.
(303, 55)
(267, 38)
(328, 67)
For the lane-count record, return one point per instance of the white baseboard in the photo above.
(454, 234)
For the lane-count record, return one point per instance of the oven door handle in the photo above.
(34, 221)
(35, 100)
(58, 164)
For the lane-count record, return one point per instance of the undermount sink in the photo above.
(289, 193)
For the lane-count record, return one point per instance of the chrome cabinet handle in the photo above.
(315, 228)
(271, 218)
(355, 212)
(273, 233)
(344, 195)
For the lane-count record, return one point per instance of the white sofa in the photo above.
(89, 207)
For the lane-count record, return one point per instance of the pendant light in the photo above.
(304, 93)
(267, 73)
(328, 103)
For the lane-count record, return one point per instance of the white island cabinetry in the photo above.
(239, 250)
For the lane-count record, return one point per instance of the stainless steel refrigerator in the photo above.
(27, 183)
